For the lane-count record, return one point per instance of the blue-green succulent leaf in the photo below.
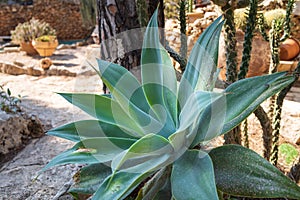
(197, 103)
(119, 185)
(89, 151)
(242, 98)
(193, 177)
(158, 76)
(150, 151)
(88, 179)
(202, 64)
(128, 92)
(155, 185)
(77, 131)
(105, 109)
(242, 172)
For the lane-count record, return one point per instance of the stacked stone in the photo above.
(63, 16)
(295, 27)
(206, 15)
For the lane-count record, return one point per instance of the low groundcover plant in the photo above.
(145, 141)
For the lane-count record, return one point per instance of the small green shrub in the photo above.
(31, 30)
(9, 103)
(289, 152)
(46, 38)
(150, 135)
(240, 18)
(276, 14)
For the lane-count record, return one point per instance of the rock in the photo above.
(66, 46)
(53, 71)
(197, 23)
(34, 71)
(65, 72)
(68, 11)
(16, 130)
(19, 63)
(171, 23)
(210, 15)
(11, 49)
(12, 69)
(298, 141)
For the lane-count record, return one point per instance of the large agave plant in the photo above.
(151, 134)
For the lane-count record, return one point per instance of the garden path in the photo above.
(16, 176)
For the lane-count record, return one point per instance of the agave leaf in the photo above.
(202, 63)
(88, 179)
(127, 91)
(193, 177)
(158, 76)
(77, 131)
(155, 184)
(165, 193)
(242, 98)
(150, 151)
(242, 172)
(197, 103)
(105, 109)
(119, 185)
(89, 151)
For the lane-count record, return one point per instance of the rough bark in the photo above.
(120, 36)
(115, 19)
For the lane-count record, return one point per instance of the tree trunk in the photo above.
(120, 37)
(115, 17)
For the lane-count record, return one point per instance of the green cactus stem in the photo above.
(277, 101)
(234, 136)
(176, 56)
(277, 117)
(183, 37)
(230, 45)
(244, 130)
(287, 22)
(247, 47)
(250, 27)
(190, 6)
(262, 26)
(265, 123)
(274, 44)
(142, 10)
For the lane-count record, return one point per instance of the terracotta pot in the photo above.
(28, 48)
(45, 48)
(289, 49)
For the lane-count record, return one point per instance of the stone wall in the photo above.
(206, 15)
(296, 26)
(63, 16)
